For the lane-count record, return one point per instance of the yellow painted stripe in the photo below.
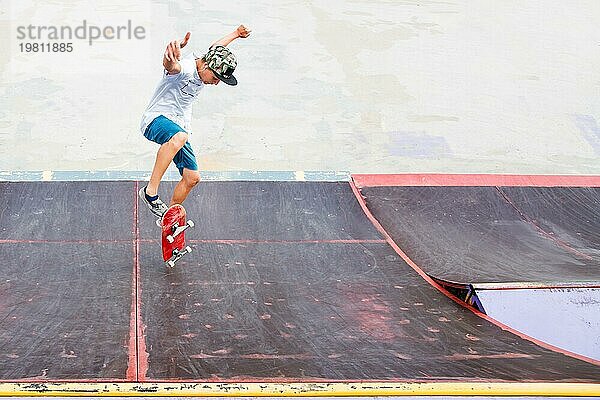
(299, 389)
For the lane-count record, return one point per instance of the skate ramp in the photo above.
(486, 229)
(291, 289)
(525, 250)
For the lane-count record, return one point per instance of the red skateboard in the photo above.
(174, 226)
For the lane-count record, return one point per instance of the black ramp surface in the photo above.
(271, 211)
(65, 294)
(293, 303)
(67, 210)
(570, 215)
(474, 235)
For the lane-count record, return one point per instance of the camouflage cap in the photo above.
(222, 62)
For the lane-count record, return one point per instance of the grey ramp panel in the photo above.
(75, 211)
(322, 311)
(314, 310)
(473, 235)
(65, 310)
(270, 211)
(570, 214)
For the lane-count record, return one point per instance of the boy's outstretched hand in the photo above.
(173, 55)
(243, 32)
(173, 51)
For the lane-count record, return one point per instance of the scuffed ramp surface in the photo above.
(289, 301)
(66, 272)
(58, 211)
(281, 311)
(288, 282)
(272, 211)
(571, 215)
(489, 234)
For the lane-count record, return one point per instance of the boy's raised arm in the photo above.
(240, 32)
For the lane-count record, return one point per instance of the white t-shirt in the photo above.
(174, 95)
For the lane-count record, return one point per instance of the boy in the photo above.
(167, 118)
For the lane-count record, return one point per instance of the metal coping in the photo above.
(536, 285)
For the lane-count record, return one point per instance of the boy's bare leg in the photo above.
(165, 156)
(182, 190)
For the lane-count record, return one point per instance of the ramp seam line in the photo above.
(137, 283)
(141, 354)
(132, 372)
(18, 241)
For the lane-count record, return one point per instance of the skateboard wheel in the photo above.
(188, 249)
(170, 239)
(190, 223)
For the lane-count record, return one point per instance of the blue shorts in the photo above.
(161, 130)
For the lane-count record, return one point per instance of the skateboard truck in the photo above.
(177, 254)
(177, 230)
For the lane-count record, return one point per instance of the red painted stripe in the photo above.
(229, 241)
(370, 180)
(132, 348)
(142, 354)
(18, 241)
(255, 356)
(42, 381)
(243, 241)
(428, 279)
(138, 357)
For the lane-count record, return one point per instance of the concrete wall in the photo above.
(362, 86)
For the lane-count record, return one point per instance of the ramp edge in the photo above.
(373, 180)
(320, 389)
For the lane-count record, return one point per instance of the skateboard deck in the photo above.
(174, 225)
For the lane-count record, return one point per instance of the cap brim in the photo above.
(231, 81)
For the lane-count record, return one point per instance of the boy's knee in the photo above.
(179, 139)
(192, 178)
